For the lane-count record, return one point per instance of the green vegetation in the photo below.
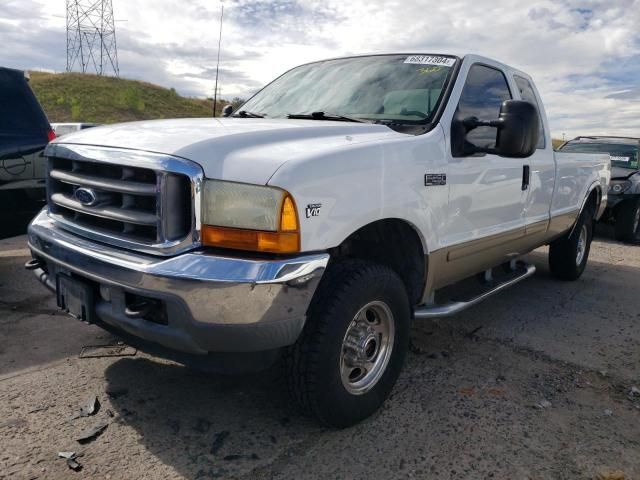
(76, 97)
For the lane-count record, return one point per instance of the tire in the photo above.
(628, 221)
(569, 254)
(354, 296)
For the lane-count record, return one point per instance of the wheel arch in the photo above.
(592, 201)
(395, 243)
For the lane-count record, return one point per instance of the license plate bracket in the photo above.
(75, 297)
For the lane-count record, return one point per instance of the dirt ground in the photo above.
(536, 383)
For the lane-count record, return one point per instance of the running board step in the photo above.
(446, 310)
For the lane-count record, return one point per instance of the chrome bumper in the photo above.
(213, 303)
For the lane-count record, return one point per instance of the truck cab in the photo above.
(316, 222)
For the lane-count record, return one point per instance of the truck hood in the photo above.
(622, 173)
(237, 149)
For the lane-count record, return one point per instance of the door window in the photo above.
(527, 94)
(484, 91)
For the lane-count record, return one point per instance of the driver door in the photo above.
(486, 195)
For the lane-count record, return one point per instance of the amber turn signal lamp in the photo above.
(285, 240)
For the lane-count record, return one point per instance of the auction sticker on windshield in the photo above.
(615, 158)
(430, 60)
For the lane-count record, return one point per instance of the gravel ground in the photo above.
(533, 384)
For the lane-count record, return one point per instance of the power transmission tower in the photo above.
(91, 37)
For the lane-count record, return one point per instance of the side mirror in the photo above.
(227, 110)
(518, 129)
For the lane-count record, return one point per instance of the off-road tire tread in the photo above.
(301, 360)
(562, 253)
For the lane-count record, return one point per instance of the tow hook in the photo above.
(138, 310)
(33, 264)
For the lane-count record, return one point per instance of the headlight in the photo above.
(249, 217)
(619, 186)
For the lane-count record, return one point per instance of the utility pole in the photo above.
(215, 89)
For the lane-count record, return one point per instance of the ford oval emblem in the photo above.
(85, 196)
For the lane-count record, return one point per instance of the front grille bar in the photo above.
(144, 201)
(111, 213)
(121, 186)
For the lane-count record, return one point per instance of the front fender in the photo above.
(340, 192)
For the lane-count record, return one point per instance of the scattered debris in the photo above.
(110, 414)
(71, 458)
(218, 441)
(634, 392)
(496, 392)
(542, 404)
(614, 475)
(92, 433)
(100, 351)
(116, 392)
(608, 412)
(467, 391)
(41, 409)
(91, 407)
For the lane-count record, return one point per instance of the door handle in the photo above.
(526, 177)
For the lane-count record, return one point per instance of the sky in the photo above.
(583, 55)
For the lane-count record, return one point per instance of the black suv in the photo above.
(623, 205)
(24, 132)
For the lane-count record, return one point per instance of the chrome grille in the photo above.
(132, 199)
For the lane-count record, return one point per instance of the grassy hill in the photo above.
(75, 97)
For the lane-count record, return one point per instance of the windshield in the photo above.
(622, 155)
(384, 88)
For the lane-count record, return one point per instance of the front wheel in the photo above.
(568, 255)
(349, 356)
(628, 221)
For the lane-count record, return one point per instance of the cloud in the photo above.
(583, 54)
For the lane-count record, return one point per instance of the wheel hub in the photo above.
(366, 347)
(582, 245)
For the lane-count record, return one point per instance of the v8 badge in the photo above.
(313, 210)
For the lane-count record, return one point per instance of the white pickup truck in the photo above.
(341, 202)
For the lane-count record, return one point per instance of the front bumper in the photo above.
(613, 200)
(212, 303)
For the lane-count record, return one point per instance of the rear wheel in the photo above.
(349, 356)
(569, 254)
(628, 221)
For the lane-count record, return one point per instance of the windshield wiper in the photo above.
(246, 114)
(326, 116)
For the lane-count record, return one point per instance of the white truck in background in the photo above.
(340, 203)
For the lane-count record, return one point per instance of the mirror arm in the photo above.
(474, 122)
